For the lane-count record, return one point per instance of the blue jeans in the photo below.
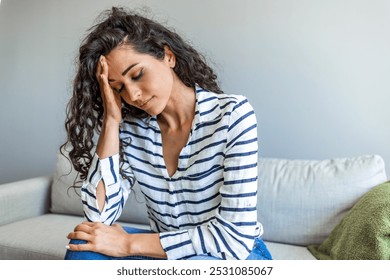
(259, 251)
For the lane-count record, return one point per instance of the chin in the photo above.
(156, 110)
(153, 111)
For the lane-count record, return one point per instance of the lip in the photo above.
(145, 103)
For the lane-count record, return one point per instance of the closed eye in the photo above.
(140, 74)
(136, 78)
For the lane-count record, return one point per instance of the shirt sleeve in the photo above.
(231, 233)
(117, 189)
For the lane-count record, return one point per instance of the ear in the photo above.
(170, 57)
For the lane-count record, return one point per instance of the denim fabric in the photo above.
(259, 251)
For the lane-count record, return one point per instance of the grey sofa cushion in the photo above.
(40, 238)
(301, 201)
(66, 200)
(282, 251)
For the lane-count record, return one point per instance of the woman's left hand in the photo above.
(101, 238)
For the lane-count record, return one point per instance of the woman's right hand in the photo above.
(112, 102)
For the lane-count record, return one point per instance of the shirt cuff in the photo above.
(110, 170)
(177, 245)
(106, 169)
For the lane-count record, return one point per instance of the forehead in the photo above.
(121, 53)
(123, 56)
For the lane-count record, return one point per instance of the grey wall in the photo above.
(317, 72)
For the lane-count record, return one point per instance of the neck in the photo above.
(180, 109)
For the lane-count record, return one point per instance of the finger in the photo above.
(99, 68)
(105, 84)
(84, 227)
(80, 247)
(104, 75)
(107, 92)
(79, 235)
(104, 66)
(117, 226)
(89, 223)
(89, 227)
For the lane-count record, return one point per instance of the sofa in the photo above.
(300, 202)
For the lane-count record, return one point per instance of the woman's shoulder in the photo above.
(228, 101)
(228, 106)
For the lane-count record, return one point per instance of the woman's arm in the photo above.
(108, 145)
(104, 185)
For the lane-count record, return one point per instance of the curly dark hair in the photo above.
(116, 27)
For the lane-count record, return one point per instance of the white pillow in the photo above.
(301, 201)
(66, 200)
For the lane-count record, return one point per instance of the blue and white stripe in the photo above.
(117, 190)
(209, 205)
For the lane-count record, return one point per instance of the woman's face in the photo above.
(142, 80)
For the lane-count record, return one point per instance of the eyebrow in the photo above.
(125, 71)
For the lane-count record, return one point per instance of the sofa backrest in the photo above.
(299, 201)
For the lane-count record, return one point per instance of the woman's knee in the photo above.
(83, 255)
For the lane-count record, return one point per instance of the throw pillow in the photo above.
(364, 233)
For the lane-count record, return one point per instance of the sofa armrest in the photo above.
(24, 199)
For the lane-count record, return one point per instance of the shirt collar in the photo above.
(207, 108)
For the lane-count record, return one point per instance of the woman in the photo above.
(163, 123)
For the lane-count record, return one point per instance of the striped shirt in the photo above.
(208, 206)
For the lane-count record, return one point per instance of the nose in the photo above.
(134, 93)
